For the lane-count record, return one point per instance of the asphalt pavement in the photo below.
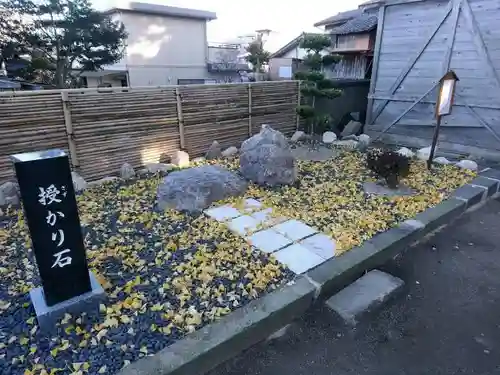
(447, 321)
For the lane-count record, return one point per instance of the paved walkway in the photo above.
(447, 322)
(295, 244)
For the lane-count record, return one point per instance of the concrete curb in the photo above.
(216, 343)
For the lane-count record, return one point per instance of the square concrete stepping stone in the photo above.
(364, 295)
(268, 240)
(298, 258)
(320, 244)
(294, 229)
(265, 218)
(223, 213)
(244, 225)
(251, 205)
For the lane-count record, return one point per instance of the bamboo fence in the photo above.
(103, 128)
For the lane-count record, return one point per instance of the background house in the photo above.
(225, 63)
(166, 46)
(353, 34)
(286, 61)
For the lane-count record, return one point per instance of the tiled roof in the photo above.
(290, 45)
(339, 17)
(162, 10)
(363, 23)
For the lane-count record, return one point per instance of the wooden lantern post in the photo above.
(444, 105)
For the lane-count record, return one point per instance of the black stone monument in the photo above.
(51, 211)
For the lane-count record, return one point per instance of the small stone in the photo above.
(424, 153)
(363, 142)
(181, 159)
(229, 152)
(351, 137)
(158, 167)
(406, 152)
(441, 160)
(350, 145)
(214, 151)
(9, 194)
(297, 136)
(364, 138)
(79, 183)
(353, 127)
(467, 164)
(198, 160)
(329, 137)
(127, 171)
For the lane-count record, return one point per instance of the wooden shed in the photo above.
(418, 41)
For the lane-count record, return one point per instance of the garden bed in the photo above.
(329, 196)
(168, 274)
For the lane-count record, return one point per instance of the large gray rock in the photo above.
(194, 189)
(267, 159)
(267, 136)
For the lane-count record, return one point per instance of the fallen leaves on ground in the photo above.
(168, 273)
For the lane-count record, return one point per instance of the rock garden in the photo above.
(178, 248)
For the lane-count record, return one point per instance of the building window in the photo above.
(346, 42)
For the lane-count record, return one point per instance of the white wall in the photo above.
(296, 53)
(160, 49)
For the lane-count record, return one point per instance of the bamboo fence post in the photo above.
(69, 129)
(298, 104)
(180, 118)
(249, 109)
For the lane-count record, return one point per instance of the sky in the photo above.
(233, 19)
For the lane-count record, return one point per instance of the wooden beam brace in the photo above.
(376, 58)
(406, 111)
(412, 62)
(480, 119)
(479, 41)
(410, 99)
(454, 15)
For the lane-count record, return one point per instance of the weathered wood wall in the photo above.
(417, 42)
(103, 129)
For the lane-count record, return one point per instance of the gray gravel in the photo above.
(446, 322)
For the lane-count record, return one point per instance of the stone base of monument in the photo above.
(48, 316)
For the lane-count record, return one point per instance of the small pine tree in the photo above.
(314, 85)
